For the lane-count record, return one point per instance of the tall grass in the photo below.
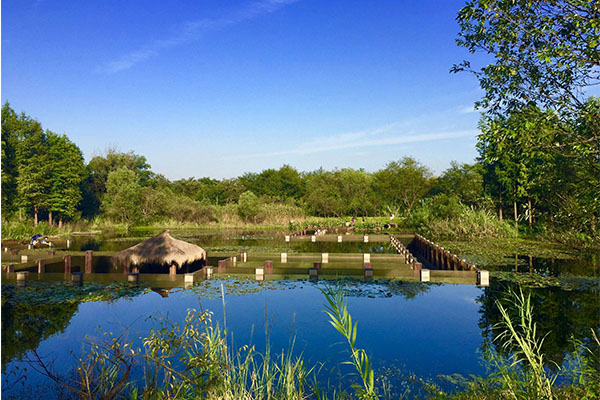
(468, 224)
(524, 373)
(339, 317)
(20, 230)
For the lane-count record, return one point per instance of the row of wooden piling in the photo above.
(340, 238)
(443, 259)
(409, 258)
(440, 257)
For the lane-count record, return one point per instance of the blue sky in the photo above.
(219, 88)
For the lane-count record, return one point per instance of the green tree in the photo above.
(322, 195)
(465, 181)
(281, 184)
(33, 180)
(10, 137)
(122, 198)
(100, 167)
(544, 51)
(403, 183)
(248, 206)
(66, 165)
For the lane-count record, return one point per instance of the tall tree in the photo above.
(122, 198)
(544, 51)
(33, 181)
(100, 167)
(66, 174)
(403, 183)
(10, 137)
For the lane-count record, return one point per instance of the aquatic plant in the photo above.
(339, 317)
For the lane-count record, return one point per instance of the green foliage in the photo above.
(121, 200)
(285, 183)
(339, 193)
(32, 167)
(67, 171)
(444, 217)
(339, 317)
(10, 132)
(248, 206)
(462, 181)
(403, 183)
(100, 167)
(544, 51)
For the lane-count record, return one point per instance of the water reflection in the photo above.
(562, 315)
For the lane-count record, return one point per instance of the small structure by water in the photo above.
(162, 249)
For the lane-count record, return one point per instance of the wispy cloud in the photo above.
(191, 31)
(467, 110)
(386, 135)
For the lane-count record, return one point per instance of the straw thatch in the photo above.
(161, 249)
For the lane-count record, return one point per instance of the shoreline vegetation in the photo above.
(48, 189)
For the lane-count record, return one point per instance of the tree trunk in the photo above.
(60, 222)
(49, 218)
(515, 209)
(35, 216)
(530, 214)
(500, 210)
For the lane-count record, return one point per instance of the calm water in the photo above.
(425, 329)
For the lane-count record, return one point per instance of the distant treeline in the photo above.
(44, 177)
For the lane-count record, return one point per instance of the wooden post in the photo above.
(424, 275)
(313, 238)
(77, 277)
(22, 275)
(339, 238)
(287, 238)
(325, 258)
(10, 268)
(88, 261)
(260, 273)
(41, 266)
(68, 264)
(283, 257)
(483, 278)
(366, 257)
(313, 273)
(368, 273)
(366, 238)
(173, 269)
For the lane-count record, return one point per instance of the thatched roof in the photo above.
(161, 249)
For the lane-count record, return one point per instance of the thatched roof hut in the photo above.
(162, 249)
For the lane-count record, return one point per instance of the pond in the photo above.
(407, 328)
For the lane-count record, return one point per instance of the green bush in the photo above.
(249, 207)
